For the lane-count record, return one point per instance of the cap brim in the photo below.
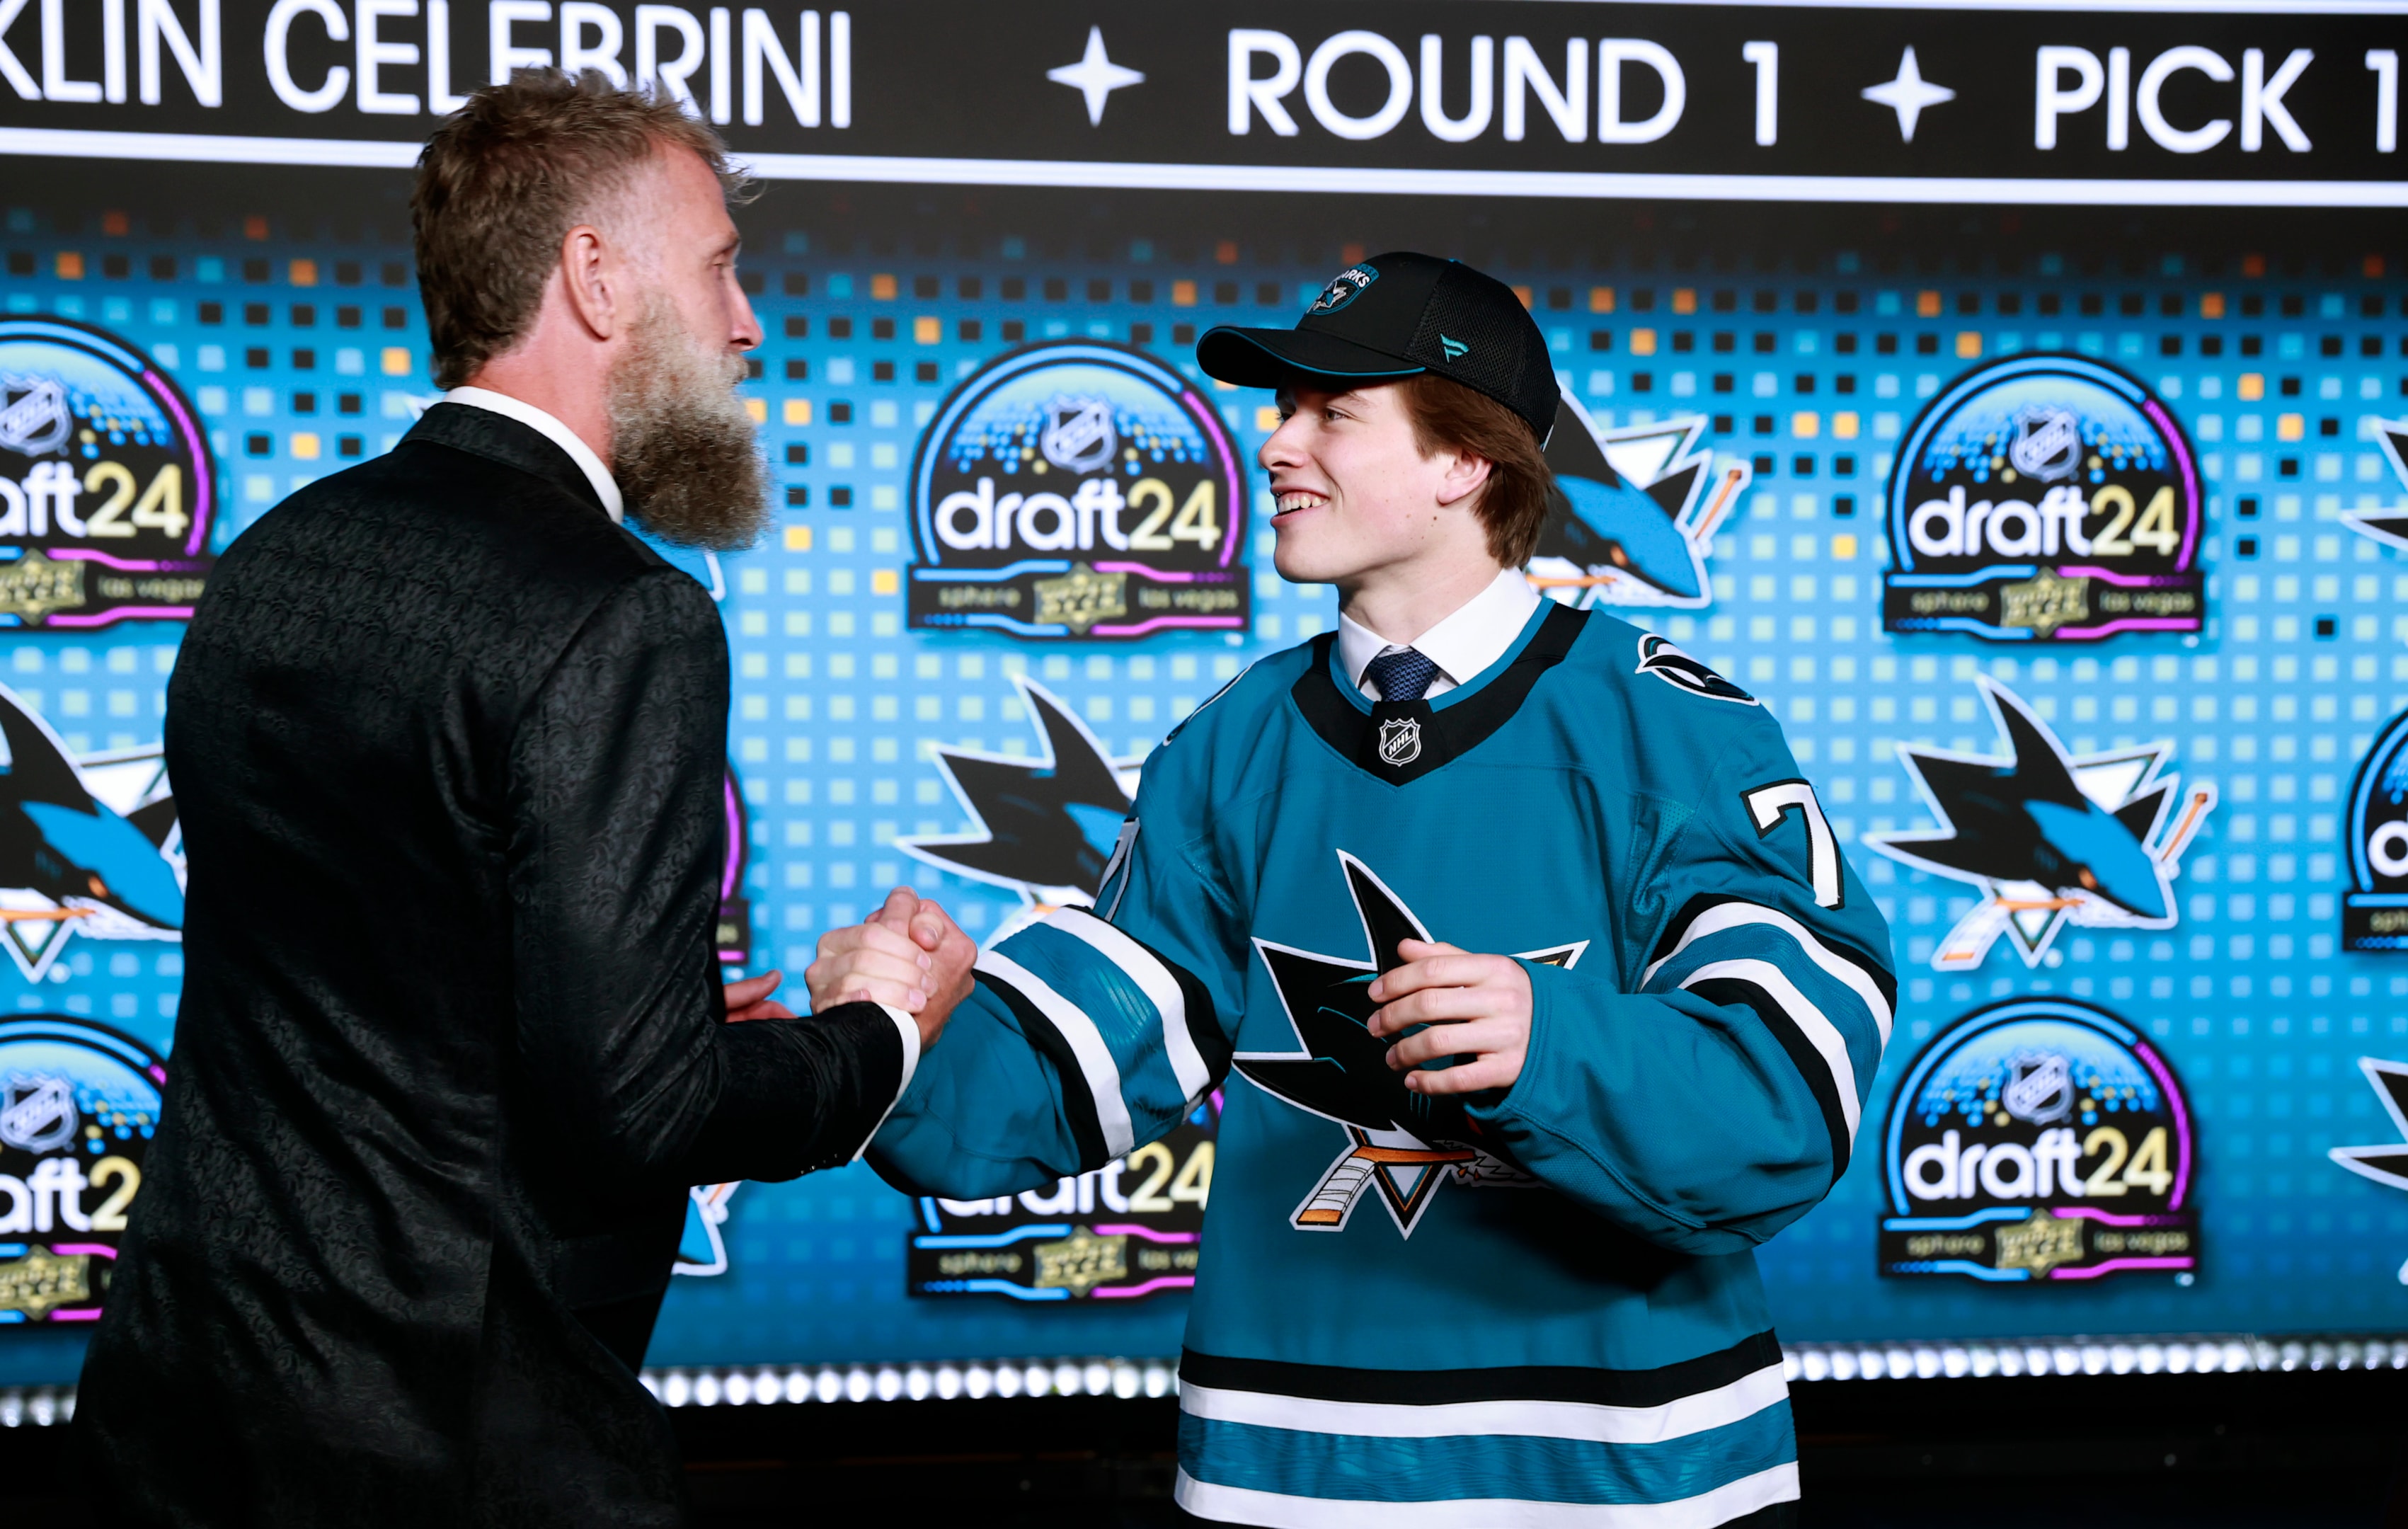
(1272, 358)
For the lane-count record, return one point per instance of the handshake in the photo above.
(909, 955)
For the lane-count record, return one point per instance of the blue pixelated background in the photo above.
(288, 317)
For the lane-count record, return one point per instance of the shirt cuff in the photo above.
(909, 1029)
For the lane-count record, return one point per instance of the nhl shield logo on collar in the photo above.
(1400, 741)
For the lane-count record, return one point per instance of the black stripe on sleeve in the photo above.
(1204, 1029)
(1885, 982)
(1802, 1054)
(1508, 1384)
(1047, 1041)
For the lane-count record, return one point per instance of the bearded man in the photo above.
(447, 744)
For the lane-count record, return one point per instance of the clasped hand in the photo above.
(909, 956)
(1473, 1006)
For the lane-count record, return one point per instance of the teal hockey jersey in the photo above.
(1537, 1306)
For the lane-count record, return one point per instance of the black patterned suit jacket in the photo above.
(448, 746)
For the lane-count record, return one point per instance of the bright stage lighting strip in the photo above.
(755, 1385)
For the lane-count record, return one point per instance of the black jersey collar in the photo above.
(1400, 742)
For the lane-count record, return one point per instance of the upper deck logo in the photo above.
(1078, 490)
(2045, 499)
(2374, 911)
(1632, 512)
(106, 487)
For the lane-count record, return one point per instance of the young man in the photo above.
(1480, 1249)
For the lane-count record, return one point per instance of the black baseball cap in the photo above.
(1396, 316)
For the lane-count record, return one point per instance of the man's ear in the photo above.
(587, 275)
(1466, 474)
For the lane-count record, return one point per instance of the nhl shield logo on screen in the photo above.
(1078, 490)
(2045, 499)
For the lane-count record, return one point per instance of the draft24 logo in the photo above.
(1078, 490)
(2039, 1140)
(106, 490)
(1630, 519)
(78, 1104)
(2049, 838)
(2045, 499)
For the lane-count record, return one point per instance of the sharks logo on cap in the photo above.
(1632, 513)
(87, 847)
(1344, 288)
(2048, 837)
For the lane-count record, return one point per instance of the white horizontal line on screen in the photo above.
(1104, 175)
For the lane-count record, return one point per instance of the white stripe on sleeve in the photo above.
(1722, 916)
(1154, 980)
(1086, 1044)
(1819, 1031)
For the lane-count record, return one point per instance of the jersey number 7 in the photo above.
(1768, 805)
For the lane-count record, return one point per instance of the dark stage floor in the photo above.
(2271, 1450)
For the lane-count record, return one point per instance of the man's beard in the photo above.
(683, 450)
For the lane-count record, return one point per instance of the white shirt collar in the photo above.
(1473, 636)
(606, 487)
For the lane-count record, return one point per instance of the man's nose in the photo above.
(1281, 449)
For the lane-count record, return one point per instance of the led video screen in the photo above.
(2023, 425)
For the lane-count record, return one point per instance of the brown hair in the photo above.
(504, 179)
(1448, 416)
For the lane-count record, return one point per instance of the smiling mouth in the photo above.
(1289, 501)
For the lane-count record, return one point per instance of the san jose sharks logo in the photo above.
(2387, 1162)
(1631, 513)
(2049, 838)
(2387, 526)
(1399, 1145)
(1047, 827)
(87, 847)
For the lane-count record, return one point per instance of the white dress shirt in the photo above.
(1475, 636)
(607, 490)
(606, 487)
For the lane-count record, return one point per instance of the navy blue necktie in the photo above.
(1402, 674)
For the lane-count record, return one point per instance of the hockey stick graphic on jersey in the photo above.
(1343, 1073)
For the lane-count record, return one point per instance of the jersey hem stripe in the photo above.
(1582, 1383)
(1280, 1511)
(1585, 1421)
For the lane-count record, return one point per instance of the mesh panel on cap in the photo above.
(1498, 336)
